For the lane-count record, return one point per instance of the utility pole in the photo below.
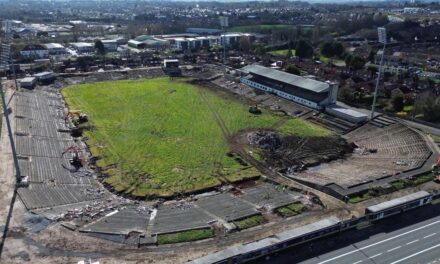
(382, 36)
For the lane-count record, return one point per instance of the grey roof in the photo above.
(43, 74)
(295, 80)
(53, 46)
(28, 79)
(297, 232)
(266, 242)
(397, 201)
(81, 44)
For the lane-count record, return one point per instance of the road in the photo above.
(418, 243)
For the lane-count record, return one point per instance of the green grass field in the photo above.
(160, 137)
(281, 53)
(259, 28)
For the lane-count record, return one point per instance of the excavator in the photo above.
(254, 109)
(75, 161)
(76, 116)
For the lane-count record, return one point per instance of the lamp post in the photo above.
(382, 36)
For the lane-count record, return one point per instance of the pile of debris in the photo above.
(290, 154)
(265, 140)
(364, 151)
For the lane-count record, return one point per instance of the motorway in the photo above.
(419, 243)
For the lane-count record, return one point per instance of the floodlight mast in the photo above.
(10, 134)
(224, 23)
(382, 36)
(5, 62)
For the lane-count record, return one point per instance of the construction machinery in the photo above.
(75, 159)
(254, 109)
(76, 116)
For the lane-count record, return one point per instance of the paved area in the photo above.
(418, 243)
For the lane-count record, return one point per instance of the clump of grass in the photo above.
(249, 222)
(290, 210)
(185, 236)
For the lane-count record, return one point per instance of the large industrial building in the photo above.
(308, 92)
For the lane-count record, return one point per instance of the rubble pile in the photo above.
(265, 140)
(290, 154)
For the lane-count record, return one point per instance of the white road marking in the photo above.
(414, 241)
(433, 234)
(380, 242)
(389, 250)
(357, 262)
(415, 254)
(377, 255)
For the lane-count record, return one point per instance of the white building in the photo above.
(83, 47)
(110, 44)
(34, 51)
(55, 49)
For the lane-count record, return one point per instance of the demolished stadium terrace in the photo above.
(59, 192)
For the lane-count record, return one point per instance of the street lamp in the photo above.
(382, 36)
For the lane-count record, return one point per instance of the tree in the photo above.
(338, 49)
(244, 44)
(327, 49)
(354, 62)
(293, 69)
(289, 53)
(99, 47)
(380, 19)
(304, 49)
(397, 102)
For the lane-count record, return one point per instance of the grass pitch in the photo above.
(160, 137)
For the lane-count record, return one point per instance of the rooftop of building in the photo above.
(291, 79)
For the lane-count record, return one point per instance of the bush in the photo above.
(293, 69)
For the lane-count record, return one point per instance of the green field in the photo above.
(160, 137)
(259, 28)
(336, 62)
(281, 53)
